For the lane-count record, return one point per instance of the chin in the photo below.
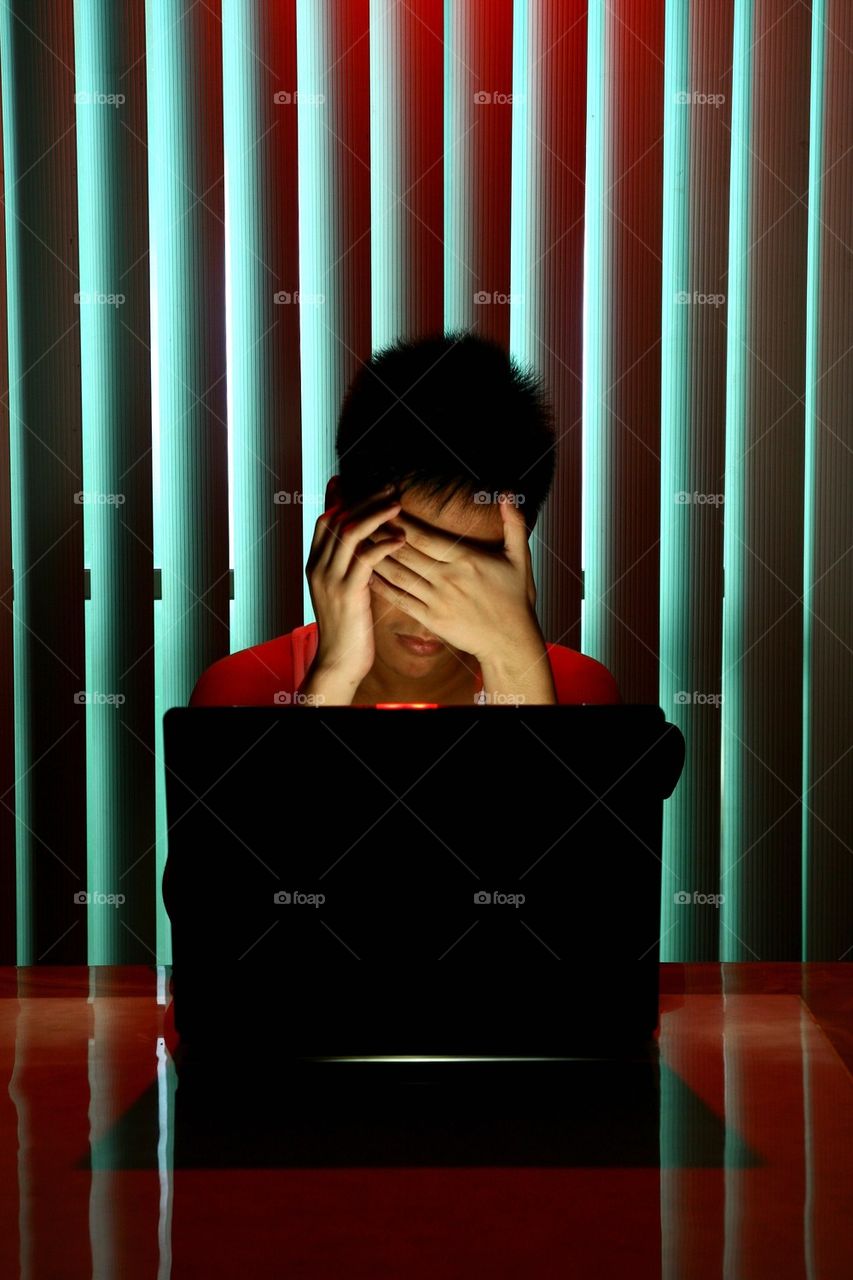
(415, 666)
(411, 664)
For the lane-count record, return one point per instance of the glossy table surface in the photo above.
(728, 1154)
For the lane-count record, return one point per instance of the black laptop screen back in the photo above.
(357, 880)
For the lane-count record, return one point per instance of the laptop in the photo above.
(394, 881)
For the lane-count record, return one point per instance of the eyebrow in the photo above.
(479, 544)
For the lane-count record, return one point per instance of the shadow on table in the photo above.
(593, 1113)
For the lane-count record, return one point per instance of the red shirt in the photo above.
(269, 674)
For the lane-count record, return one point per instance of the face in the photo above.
(403, 645)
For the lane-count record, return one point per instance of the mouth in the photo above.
(419, 645)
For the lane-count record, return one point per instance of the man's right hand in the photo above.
(343, 555)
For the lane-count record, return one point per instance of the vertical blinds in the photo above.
(214, 211)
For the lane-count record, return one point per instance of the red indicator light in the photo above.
(393, 706)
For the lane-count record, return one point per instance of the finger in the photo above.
(399, 576)
(325, 537)
(371, 502)
(349, 534)
(441, 546)
(327, 528)
(369, 555)
(321, 529)
(400, 599)
(418, 561)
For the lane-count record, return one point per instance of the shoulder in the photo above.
(580, 678)
(254, 676)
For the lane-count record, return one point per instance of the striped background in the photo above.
(215, 209)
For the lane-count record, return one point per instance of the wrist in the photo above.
(519, 673)
(343, 667)
(502, 669)
(329, 684)
(525, 644)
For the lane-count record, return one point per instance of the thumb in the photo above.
(514, 528)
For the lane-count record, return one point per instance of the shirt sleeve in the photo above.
(254, 677)
(214, 686)
(579, 678)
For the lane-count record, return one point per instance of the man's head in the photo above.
(451, 416)
(452, 422)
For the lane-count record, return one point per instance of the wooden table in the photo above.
(731, 1158)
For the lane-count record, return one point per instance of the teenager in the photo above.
(419, 568)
